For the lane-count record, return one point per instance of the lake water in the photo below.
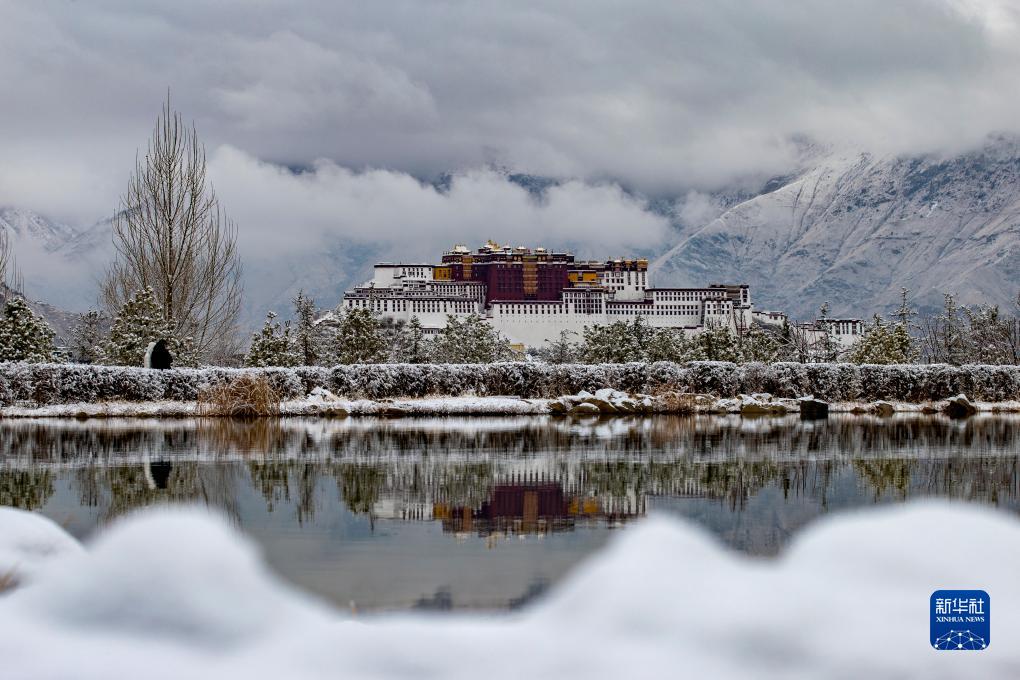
(445, 513)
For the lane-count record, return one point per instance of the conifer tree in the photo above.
(87, 338)
(273, 345)
(620, 342)
(758, 345)
(308, 338)
(24, 336)
(562, 350)
(614, 343)
(883, 344)
(470, 340)
(410, 346)
(140, 322)
(668, 344)
(359, 339)
(719, 344)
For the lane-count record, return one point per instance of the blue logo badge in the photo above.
(960, 619)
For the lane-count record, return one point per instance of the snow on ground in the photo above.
(427, 406)
(177, 593)
(27, 542)
(296, 407)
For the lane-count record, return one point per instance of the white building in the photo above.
(531, 297)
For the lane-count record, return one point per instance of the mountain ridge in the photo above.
(854, 228)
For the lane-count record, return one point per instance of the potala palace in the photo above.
(531, 295)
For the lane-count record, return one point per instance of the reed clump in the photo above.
(667, 400)
(245, 396)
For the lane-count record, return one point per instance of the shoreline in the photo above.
(482, 406)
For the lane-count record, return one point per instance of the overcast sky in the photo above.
(364, 96)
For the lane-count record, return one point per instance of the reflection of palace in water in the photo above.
(507, 476)
(522, 504)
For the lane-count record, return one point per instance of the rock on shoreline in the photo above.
(600, 404)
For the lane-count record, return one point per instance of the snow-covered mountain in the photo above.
(852, 228)
(847, 228)
(25, 227)
(62, 265)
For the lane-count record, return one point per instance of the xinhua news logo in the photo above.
(960, 620)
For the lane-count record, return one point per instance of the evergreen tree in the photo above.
(410, 346)
(673, 345)
(87, 338)
(758, 345)
(883, 344)
(611, 344)
(470, 340)
(359, 339)
(24, 336)
(308, 338)
(719, 344)
(562, 350)
(139, 323)
(273, 345)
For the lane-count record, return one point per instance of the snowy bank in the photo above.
(177, 593)
(27, 542)
(565, 406)
(47, 384)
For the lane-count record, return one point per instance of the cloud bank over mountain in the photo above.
(355, 130)
(407, 217)
(659, 96)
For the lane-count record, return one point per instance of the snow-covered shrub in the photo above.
(789, 379)
(44, 384)
(835, 382)
(515, 378)
(754, 377)
(714, 377)
(312, 377)
(993, 383)
(24, 335)
(666, 376)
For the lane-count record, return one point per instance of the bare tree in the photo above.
(12, 281)
(5, 254)
(172, 235)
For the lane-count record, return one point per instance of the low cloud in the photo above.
(281, 212)
(661, 97)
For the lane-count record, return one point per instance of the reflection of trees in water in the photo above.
(885, 477)
(25, 489)
(68, 441)
(120, 489)
(429, 460)
(985, 479)
(359, 485)
(275, 478)
(731, 482)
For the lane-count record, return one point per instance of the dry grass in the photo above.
(243, 397)
(7, 581)
(231, 435)
(671, 401)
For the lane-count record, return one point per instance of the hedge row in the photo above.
(43, 384)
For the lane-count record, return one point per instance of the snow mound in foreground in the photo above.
(175, 593)
(28, 541)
